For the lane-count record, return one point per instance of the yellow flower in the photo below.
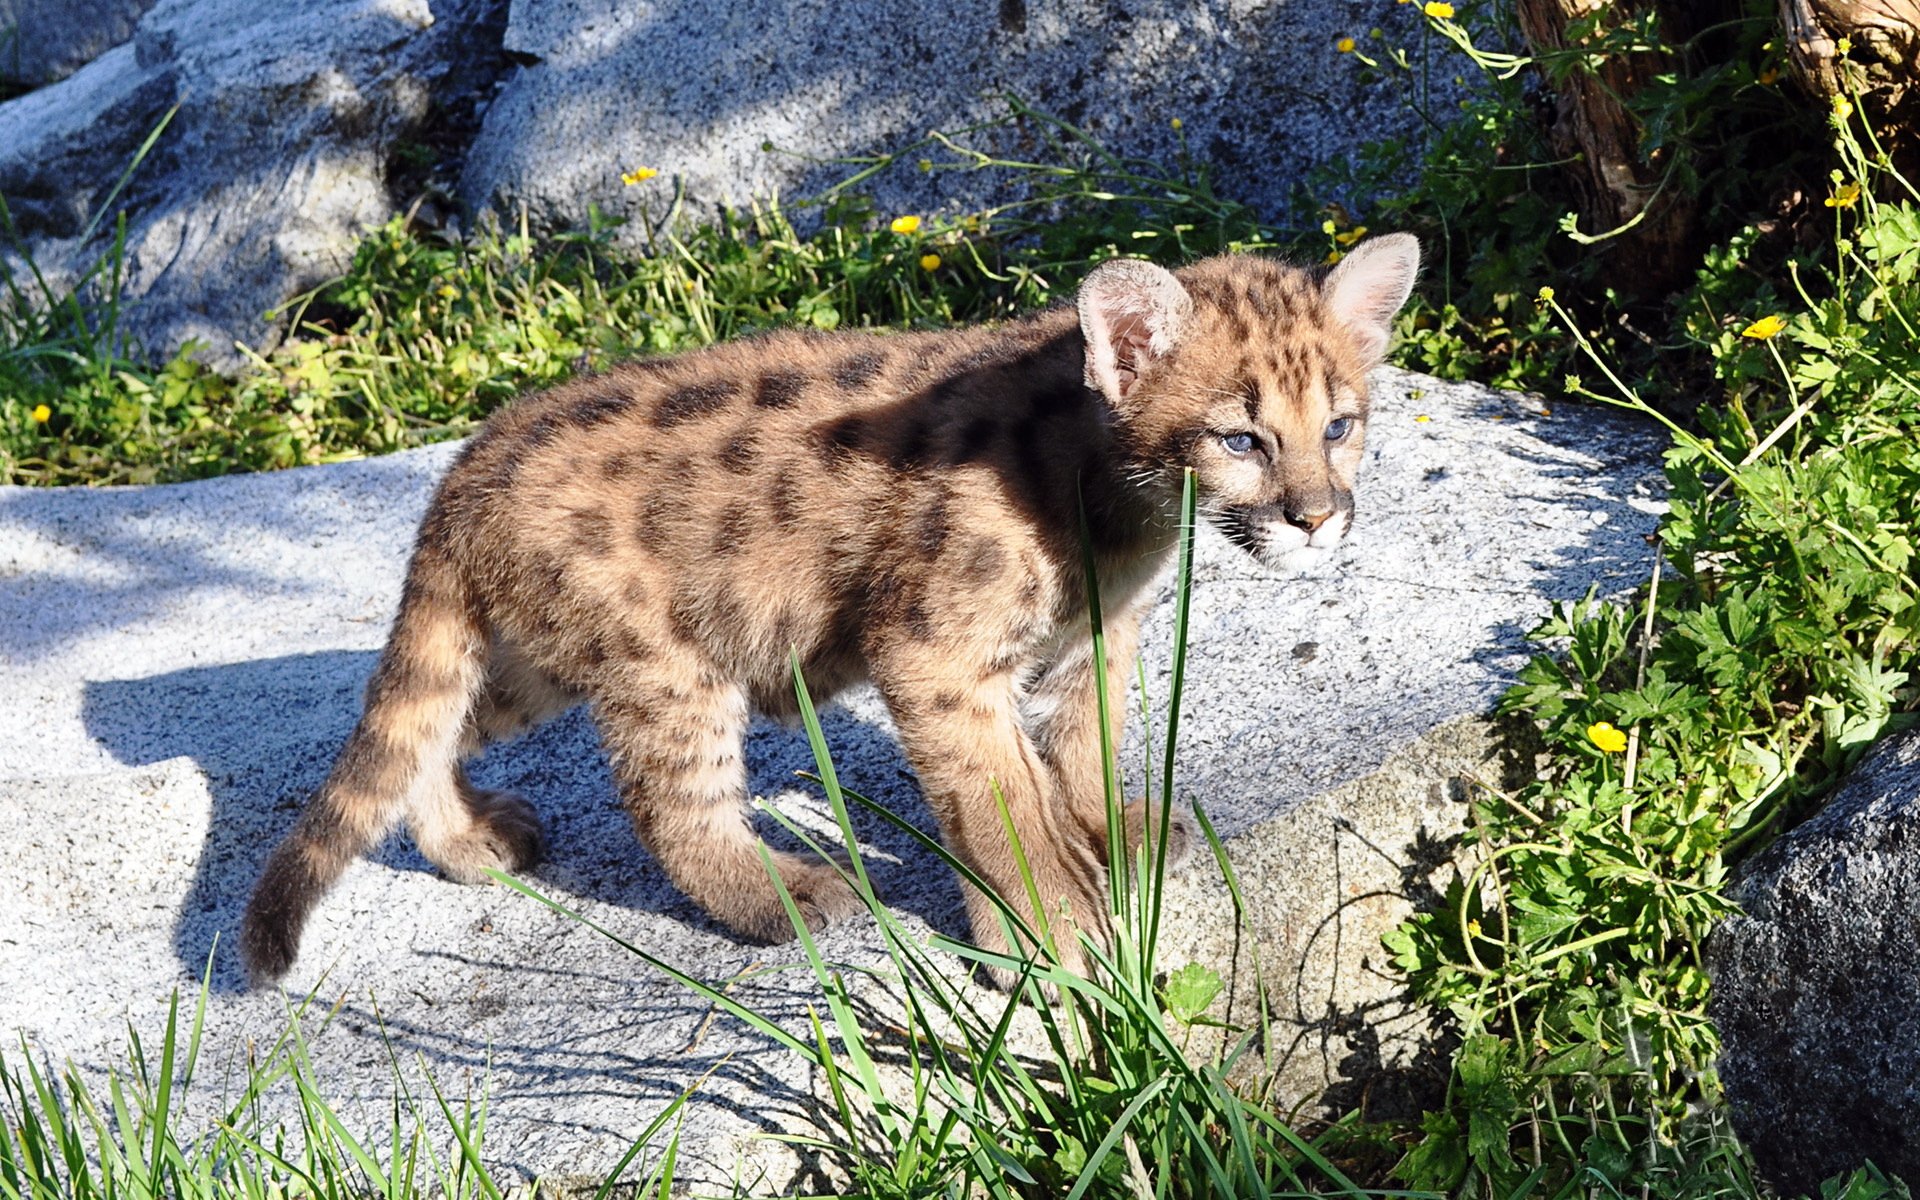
(1422, 419)
(1176, 123)
(907, 224)
(1842, 108)
(1764, 328)
(1605, 736)
(1846, 197)
(1845, 45)
(1345, 45)
(1351, 236)
(1546, 295)
(1473, 928)
(1434, 8)
(450, 292)
(1334, 256)
(638, 175)
(1768, 77)
(929, 262)
(42, 414)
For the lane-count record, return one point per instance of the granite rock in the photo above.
(1816, 984)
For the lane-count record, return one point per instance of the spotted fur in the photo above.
(653, 542)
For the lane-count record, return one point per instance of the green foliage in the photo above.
(1777, 642)
(1495, 207)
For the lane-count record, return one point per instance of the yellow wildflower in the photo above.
(1422, 419)
(1605, 736)
(638, 175)
(905, 225)
(929, 262)
(1845, 45)
(1546, 295)
(1765, 327)
(42, 414)
(1334, 256)
(1176, 123)
(1846, 197)
(1351, 236)
(1473, 928)
(1434, 8)
(1842, 108)
(1345, 45)
(449, 291)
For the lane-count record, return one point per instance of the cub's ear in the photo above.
(1369, 286)
(1131, 313)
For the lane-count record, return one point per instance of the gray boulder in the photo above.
(1816, 986)
(697, 91)
(44, 41)
(272, 167)
(291, 118)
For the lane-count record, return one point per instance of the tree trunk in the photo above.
(1881, 69)
(1620, 188)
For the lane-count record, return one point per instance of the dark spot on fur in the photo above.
(543, 430)
(859, 370)
(651, 519)
(840, 439)
(780, 503)
(931, 531)
(919, 622)
(590, 531)
(909, 448)
(635, 592)
(599, 408)
(947, 702)
(779, 389)
(593, 652)
(741, 450)
(736, 523)
(620, 466)
(985, 562)
(975, 437)
(693, 401)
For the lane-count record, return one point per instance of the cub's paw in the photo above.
(821, 893)
(504, 835)
(1144, 815)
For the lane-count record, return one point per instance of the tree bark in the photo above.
(1620, 188)
(1881, 70)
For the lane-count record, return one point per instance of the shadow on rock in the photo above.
(264, 734)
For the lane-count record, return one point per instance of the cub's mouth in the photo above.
(1265, 532)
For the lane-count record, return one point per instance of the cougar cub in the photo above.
(904, 509)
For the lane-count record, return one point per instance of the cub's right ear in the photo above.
(1131, 313)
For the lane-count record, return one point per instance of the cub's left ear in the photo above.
(1369, 286)
(1131, 314)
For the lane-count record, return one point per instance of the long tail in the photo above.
(417, 704)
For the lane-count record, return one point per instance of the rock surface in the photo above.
(44, 41)
(179, 664)
(274, 162)
(301, 125)
(1816, 986)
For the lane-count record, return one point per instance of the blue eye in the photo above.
(1339, 429)
(1237, 443)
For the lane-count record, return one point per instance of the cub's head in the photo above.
(1253, 373)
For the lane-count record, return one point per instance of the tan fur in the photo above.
(902, 508)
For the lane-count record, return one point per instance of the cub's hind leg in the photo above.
(466, 830)
(417, 704)
(673, 727)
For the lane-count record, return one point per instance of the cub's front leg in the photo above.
(1063, 712)
(962, 732)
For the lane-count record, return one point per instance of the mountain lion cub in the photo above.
(903, 509)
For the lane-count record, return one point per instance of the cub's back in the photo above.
(765, 493)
